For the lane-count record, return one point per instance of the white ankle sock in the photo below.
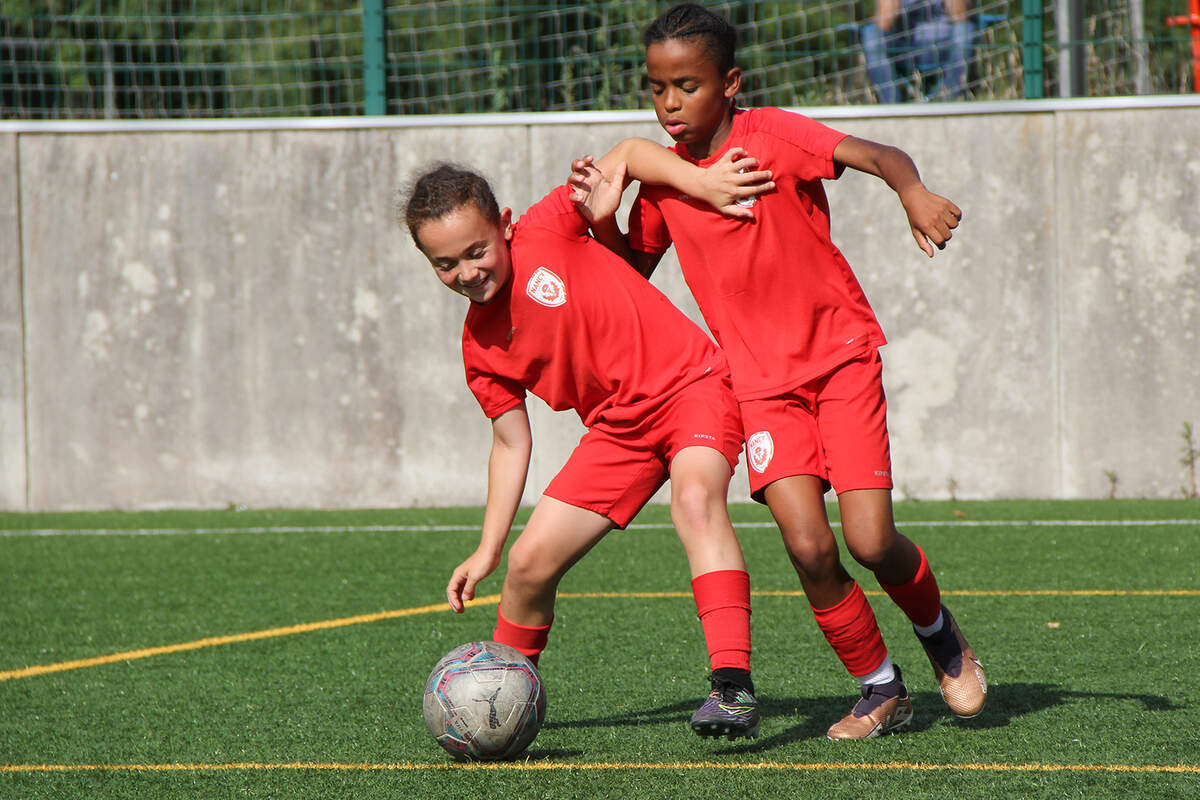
(884, 673)
(930, 630)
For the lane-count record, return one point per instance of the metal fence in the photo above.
(234, 58)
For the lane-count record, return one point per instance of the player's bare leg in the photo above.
(798, 505)
(871, 536)
(840, 607)
(699, 486)
(699, 510)
(900, 566)
(555, 538)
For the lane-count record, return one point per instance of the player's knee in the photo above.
(695, 506)
(871, 548)
(528, 572)
(811, 546)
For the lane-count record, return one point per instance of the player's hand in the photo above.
(594, 194)
(732, 183)
(580, 177)
(931, 218)
(466, 576)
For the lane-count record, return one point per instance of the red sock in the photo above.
(723, 606)
(529, 640)
(851, 629)
(920, 598)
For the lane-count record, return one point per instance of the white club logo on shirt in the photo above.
(746, 202)
(546, 288)
(759, 449)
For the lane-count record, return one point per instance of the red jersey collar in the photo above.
(735, 131)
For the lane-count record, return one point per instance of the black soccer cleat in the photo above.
(729, 710)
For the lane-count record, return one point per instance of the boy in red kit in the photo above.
(557, 314)
(802, 344)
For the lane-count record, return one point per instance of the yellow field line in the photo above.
(310, 627)
(547, 766)
(213, 641)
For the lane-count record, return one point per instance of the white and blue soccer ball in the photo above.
(484, 701)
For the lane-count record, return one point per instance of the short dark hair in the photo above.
(442, 189)
(692, 20)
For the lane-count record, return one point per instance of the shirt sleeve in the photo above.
(556, 212)
(495, 394)
(647, 227)
(811, 143)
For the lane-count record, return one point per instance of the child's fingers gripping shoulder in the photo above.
(579, 168)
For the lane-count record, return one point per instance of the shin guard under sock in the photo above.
(529, 640)
(723, 606)
(851, 629)
(920, 599)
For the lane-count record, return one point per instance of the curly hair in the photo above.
(694, 21)
(442, 189)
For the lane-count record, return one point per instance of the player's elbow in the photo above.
(618, 154)
(632, 152)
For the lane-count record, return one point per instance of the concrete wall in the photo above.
(12, 378)
(1129, 299)
(970, 367)
(233, 316)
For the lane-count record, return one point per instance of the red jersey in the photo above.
(577, 327)
(775, 291)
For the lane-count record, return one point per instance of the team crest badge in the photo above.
(759, 449)
(746, 202)
(546, 288)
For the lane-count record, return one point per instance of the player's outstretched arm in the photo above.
(931, 218)
(722, 185)
(508, 466)
(733, 177)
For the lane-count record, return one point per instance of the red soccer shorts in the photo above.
(614, 471)
(833, 427)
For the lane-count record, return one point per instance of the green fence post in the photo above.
(374, 59)
(1031, 57)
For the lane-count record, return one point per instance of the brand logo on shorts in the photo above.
(546, 288)
(759, 449)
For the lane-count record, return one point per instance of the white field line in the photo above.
(1031, 523)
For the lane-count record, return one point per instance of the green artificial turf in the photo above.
(1090, 634)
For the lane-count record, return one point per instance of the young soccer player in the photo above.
(557, 314)
(802, 344)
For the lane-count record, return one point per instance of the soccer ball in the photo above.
(484, 701)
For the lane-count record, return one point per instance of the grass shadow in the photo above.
(792, 719)
(1011, 700)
